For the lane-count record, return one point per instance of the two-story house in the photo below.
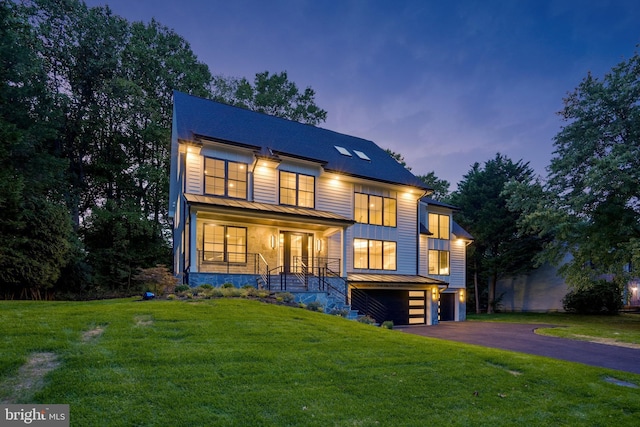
(263, 201)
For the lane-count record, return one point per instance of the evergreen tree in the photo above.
(499, 248)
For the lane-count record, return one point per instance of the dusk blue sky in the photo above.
(444, 83)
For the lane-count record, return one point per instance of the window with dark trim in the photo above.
(297, 189)
(376, 210)
(439, 226)
(438, 262)
(374, 254)
(223, 243)
(225, 178)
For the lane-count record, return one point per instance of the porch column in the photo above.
(434, 301)
(193, 244)
(462, 305)
(343, 267)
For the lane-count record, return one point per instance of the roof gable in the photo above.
(198, 117)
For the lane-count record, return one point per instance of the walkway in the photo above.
(522, 338)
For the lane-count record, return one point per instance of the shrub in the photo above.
(342, 312)
(367, 320)
(601, 297)
(231, 292)
(285, 296)
(314, 306)
(158, 279)
(181, 288)
(228, 285)
(388, 324)
(206, 286)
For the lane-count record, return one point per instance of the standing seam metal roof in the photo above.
(199, 116)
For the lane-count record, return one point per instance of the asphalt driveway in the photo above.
(521, 337)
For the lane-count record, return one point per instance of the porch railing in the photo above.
(312, 273)
(250, 263)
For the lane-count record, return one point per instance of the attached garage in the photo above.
(404, 300)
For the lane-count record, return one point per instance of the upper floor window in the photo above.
(374, 254)
(297, 189)
(439, 226)
(225, 178)
(439, 262)
(224, 243)
(376, 210)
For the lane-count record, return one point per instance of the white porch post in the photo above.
(344, 252)
(193, 247)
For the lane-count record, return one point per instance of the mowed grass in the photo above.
(239, 362)
(619, 329)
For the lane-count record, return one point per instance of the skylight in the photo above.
(362, 155)
(342, 150)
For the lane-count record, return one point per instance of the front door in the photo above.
(295, 251)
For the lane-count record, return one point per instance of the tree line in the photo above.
(583, 217)
(85, 119)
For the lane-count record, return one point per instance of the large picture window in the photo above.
(224, 244)
(374, 254)
(439, 263)
(225, 178)
(376, 210)
(297, 189)
(439, 226)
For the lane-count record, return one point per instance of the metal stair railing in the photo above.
(368, 305)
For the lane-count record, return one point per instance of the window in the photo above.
(376, 210)
(439, 262)
(439, 226)
(297, 189)
(374, 254)
(225, 178)
(224, 244)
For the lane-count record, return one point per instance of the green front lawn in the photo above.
(247, 363)
(618, 330)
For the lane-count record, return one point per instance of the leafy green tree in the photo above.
(440, 186)
(590, 203)
(499, 249)
(271, 94)
(35, 231)
(113, 82)
(399, 158)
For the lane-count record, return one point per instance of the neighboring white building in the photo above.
(263, 201)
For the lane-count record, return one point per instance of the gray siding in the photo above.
(334, 195)
(195, 173)
(457, 264)
(264, 185)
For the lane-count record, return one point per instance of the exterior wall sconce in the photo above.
(434, 294)
(272, 241)
(318, 245)
(462, 295)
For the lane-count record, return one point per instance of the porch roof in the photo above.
(393, 280)
(267, 210)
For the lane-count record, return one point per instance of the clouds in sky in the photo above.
(445, 84)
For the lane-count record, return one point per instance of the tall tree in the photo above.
(499, 249)
(35, 231)
(271, 94)
(591, 202)
(440, 186)
(114, 81)
(398, 157)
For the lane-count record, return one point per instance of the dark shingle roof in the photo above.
(433, 202)
(202, 117)
(460, 232)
